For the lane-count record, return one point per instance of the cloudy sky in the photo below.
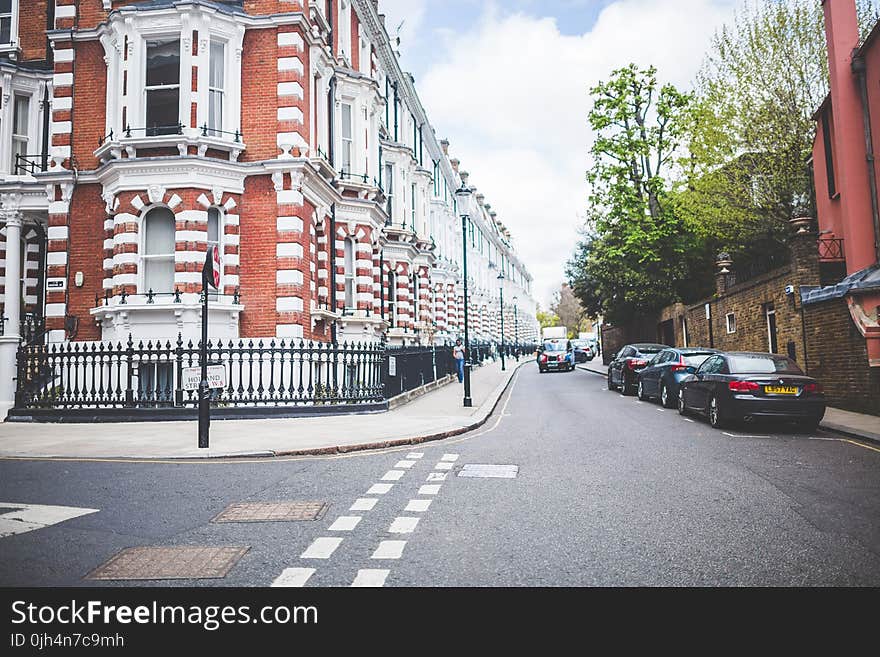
(507, 82)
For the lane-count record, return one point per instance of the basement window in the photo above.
(731, 323)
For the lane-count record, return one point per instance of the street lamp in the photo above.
(462, 197)
(501, 288)
(516, 327)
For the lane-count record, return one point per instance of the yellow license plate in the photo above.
(781, 390)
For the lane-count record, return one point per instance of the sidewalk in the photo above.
(437, 414)
(855, 425)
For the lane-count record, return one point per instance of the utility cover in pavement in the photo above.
(271, 512)
(190, 562)
(490, 471)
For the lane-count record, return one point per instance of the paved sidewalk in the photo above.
(437, 414)
(856, 425)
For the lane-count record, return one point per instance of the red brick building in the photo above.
(136, 134)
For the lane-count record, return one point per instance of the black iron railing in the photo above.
(831, 249)
(30, 165)
(151, 297)
(215, 132)
(156, 130)
(408, 368)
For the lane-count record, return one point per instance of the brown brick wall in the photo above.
(837, 356)
(259, 94)
(89, 108)
(32, 29)
(257, 218)
(86, 254)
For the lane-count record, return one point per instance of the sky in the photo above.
(507, 82)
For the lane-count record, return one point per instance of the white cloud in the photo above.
(407, 15)
(512, 96)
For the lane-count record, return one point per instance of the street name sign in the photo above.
(192, 376)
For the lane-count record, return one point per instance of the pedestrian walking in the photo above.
(458, 355)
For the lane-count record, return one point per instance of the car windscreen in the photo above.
(695, 360)
(649, 351)
(579, 343)
(762, 364)
(554, 345)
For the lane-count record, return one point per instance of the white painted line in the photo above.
(403, 525)
(393, 475)
(436, 476)
(293, 577)
(28, 517)
(740, 435)
(389, 550)
(418, 505)
(431, 489)
(370, 577)
(321, 548)
(364, 504)
(415, 455)
(404, 464)
(687, 419)
(345, 523)
(444, 466)
(450, 457)
(379, 489)
(660, 409)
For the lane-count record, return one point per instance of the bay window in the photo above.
(8, 15)
(20, 119)
(389, 191)
(158, 250)
(216, 85)
(347, 140)
(162, 86)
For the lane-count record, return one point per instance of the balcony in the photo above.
(30, 165)
(131, 139)
(831, 249)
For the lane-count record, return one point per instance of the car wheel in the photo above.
(665, 398)
(682, 409)
(715, 414)
(626, 388)
(640, 391)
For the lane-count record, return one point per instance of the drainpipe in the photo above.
(332, 243)
(858, 67)
(47, 111)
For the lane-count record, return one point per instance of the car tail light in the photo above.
(813, 389)
(543, 358)
(743, 386)
(632, 364)
(678, 368)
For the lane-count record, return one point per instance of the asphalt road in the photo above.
(609, 491)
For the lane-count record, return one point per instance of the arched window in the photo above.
(158, 250)
(349, 273)
(392, 299)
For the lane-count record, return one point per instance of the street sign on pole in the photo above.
(192, 377)
(210, 277)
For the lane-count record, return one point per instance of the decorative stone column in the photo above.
(11, 337)
(723, 262)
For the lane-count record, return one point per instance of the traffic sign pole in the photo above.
(210, 276)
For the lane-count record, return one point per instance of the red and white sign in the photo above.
(211, 271)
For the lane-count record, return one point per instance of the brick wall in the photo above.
(86, 255)
(257, 261)
(32, 29)
(89, 109)
(259, 94)
(837, 356)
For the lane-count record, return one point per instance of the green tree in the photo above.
(634, 253)
(546, 318)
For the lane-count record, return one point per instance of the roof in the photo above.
(861, 281)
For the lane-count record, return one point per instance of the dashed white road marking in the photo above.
(415, 455)
(321, 548)
(392, 475)
(345, 523)
(418, 505)
(430, 489)
(450, 457)
(363, 504)
(403, 525)
(443, 465)
(370, 577)
(437, 476)
(389, 550)
(293, 577)
(379, 489)
(28, 517)
(404, 464)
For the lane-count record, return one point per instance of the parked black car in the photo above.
(556, 354)
(664, 372)
(583, 351)
(622, 371)
(751, 386)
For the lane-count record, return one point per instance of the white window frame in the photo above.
(164, 87)
(392, 299)
(347, 143)
(349, 263)
(32, 86)
(12, 14)
(220, 91)
(415, 296)
(389, 188)
(143, 257)
(344, 29)
(413, 213)
(18, 138)
(730, 320)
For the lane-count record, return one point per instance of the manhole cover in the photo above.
(271, 512)
(490, 471)
(195, 562)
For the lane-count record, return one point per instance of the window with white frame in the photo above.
(392, 299)
(415, 297)
(216, 87)
(348, 269)
(389, 191)
(20, 119)
(731, 322)
(157, 257)
(347, 140)
(8, 22)
(345, 29)
(413, 210)
(162, 88)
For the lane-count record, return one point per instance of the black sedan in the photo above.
(662, 376)
(625, 366)
(748, 386)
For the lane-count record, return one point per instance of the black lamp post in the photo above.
(501, 288)
(516, 327)
(462, 196)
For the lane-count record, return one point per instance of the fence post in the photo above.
(129, 392)
(178, 384)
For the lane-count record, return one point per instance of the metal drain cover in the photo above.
(489, 471)
(190, 562)
(271, 512)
